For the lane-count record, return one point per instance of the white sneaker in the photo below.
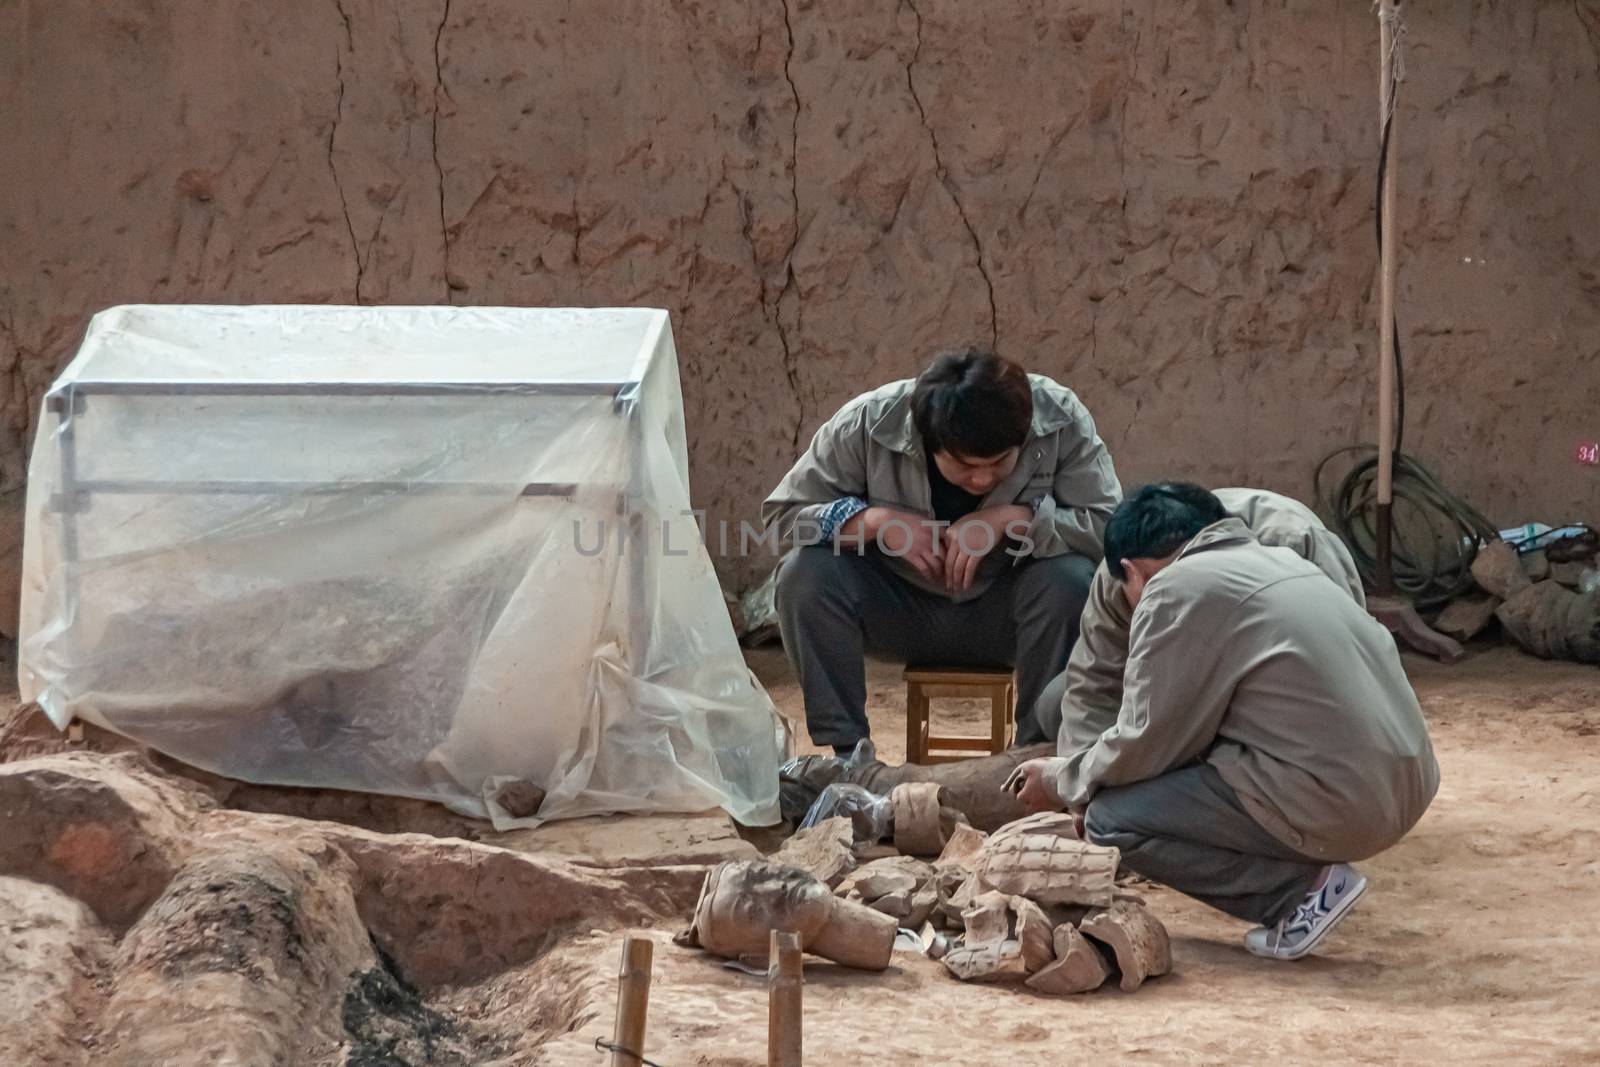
(1320, 912)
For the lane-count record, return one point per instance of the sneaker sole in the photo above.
(1334, 917)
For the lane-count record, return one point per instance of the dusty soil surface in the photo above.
(144, 917)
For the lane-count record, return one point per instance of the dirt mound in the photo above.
(149, 923)
(53, 956)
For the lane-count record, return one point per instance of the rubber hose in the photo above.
(1436, 533)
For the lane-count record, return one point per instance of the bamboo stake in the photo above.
(633, 1000)
(784, 976)
(1388, 267)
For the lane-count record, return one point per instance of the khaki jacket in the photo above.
(1094, 672)
(1245, 656)
(870, 449)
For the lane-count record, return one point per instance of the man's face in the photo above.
(976, 476)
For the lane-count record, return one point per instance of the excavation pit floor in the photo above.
(346, 942)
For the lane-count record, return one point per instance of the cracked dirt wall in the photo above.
(1165, 203)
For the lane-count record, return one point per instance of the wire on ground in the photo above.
(602, 1045)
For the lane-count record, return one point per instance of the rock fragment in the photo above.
(519, 798)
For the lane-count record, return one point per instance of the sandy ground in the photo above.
(1479, 941)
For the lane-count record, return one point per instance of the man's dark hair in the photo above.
(1157, 520)
(972, 403)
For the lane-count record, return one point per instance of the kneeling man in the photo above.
(1267, 736)
(1082, 702)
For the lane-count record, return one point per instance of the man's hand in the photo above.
(970, 540)
(900, 533)
(1034, 786)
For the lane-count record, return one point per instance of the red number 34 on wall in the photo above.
(1589, 452)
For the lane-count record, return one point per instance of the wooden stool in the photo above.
(925, 683)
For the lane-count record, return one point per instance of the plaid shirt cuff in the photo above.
(837, 514)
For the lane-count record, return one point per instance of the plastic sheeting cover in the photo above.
(416, 551)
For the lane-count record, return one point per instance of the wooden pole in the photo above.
(633, 1000)
(1387, 268)
(783, 1000)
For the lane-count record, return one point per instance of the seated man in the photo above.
(1267, 736)
(1082, 702)
(952, 519)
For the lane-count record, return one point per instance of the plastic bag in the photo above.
(803, 778)
(871, 816)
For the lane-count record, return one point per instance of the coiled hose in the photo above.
(1436, 533)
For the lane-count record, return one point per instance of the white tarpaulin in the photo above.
(416, 551)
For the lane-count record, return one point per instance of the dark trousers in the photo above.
(833, 608)
(1186, 829)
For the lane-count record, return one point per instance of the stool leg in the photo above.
(1011, 712)
(916, 723)
(911, 722)
(997, 720)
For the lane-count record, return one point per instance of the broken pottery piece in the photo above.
(1498, 571)
(1034, 932)
(953, 901)
(1569, 574)
(922, 905)
(893, 874)
(1583, 627)
(962, 849)
(873, 853)
(742, 902)
(1530, 618)
(1466, 617)
(950, 820)
(1041, 858)
(896, 904)
(1137, 939)
(994, 961)
(1536, 564)
(987, 919)
(823, 851)
(917, 830)
(1078, 967)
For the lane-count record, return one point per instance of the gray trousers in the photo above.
(833, 608)
(1186, 829)
(1047, 710)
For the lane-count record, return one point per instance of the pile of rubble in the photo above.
(1029, 903)
(1537, 597)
